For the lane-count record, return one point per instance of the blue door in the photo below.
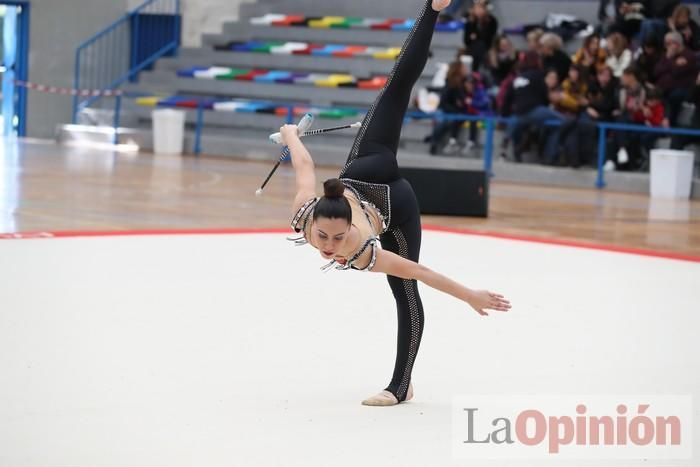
(14, 34)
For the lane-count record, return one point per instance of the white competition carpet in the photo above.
(235, 350)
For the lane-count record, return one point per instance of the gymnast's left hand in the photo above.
(482, 300)
(288, 133)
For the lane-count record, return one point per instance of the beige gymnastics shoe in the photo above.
(387, 399)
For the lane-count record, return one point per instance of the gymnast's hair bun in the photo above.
(333, 188)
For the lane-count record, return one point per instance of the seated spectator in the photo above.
(648, 57)
(574, 91)
(681, 22)
(675, 73)
(480, 30)
(693, 119)
(580, 137)
(624, 17)
(634, 108)
(463, 95)
(501, 59)
(591, 55)
(602, 96)
(619, 56)
(527, 101)
(552, 55)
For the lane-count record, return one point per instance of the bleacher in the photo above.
(248, 76)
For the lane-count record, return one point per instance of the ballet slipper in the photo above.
(387, 399)
(439, 5)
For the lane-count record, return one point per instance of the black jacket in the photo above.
(527, 92)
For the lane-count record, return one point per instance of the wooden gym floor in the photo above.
(45, 187)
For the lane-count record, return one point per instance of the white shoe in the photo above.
(387, 399)
(622, 156)
(452, 147)
(609, 166)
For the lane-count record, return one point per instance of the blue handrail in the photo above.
(123, 49)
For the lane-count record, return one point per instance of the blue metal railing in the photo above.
(490, 123)
(121, 51)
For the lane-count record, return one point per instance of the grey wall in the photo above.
(57, 27)
(203, 16)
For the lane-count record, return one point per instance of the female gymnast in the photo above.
(371, 203)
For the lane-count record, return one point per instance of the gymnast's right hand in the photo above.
(288, 133)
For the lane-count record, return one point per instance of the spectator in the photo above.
(602, 96)
(681, 22)
(451, 101)
(648, 57)
(619, 56)
(464, 95)
(533, 40)
(591, 55)
(626, 149)
(579, 137)
(501, 59)
(480, 30)
(622, 16)
(574, 91)
(527, 101)
(656, 25)
(675, 73)
(553, 57)
(693, 120)
(554, 90)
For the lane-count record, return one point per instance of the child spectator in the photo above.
(463, 95)
(591, 55)
(619, 56)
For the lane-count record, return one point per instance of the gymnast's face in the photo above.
(330, 236)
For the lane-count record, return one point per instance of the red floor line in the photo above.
(244, 231)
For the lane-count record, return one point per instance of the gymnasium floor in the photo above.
(208, 340)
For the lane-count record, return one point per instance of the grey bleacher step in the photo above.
(244, 31)
(359, 66)
(160, 82)
(362, 8)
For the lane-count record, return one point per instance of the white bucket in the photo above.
(671, 173)
(168, 131)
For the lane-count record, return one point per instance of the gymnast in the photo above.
(370, 203)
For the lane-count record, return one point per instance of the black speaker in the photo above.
(450, 192)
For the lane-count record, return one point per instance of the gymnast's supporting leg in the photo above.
(404, 239)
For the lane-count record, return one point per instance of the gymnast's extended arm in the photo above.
(303, 164)
(481, 300)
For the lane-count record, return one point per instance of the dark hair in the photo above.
(654, 92)
(528, 61)
(333, 205)
(632, 70)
